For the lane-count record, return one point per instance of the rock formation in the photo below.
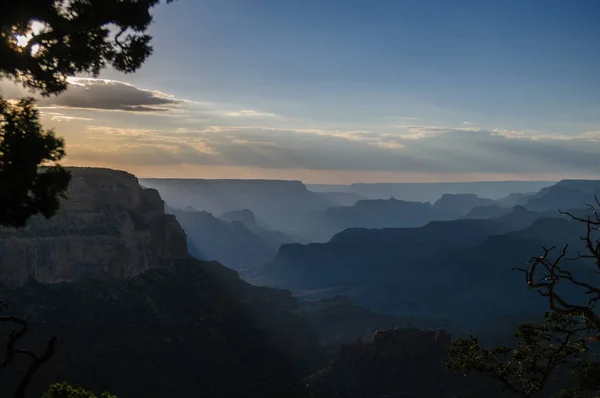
(279, 205)
(398, 362)
(231, 244)
(339, 321)
(109, 227)
(453, 206)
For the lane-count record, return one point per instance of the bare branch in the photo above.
(11, 351)
(554, 273)
(37, 363)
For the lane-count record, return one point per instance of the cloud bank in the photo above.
(208, 134)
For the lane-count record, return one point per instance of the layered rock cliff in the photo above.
(109, 227)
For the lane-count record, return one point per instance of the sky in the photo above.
(342, 91)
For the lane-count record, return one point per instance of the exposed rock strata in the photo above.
(109, 227)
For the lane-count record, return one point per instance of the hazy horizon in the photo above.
(335, 178)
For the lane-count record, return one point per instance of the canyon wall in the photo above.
(109, 227)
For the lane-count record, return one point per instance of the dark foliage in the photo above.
(26, 190)
(65, 390)
(76, 36)
(542, 349)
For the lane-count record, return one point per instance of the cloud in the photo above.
(349, 135)
(113, 131)
(254, 143)
(588, 136)
(105, 94)
(249, 113)
(100, 94)
(60, 117)
(86, 95)
(453, 151)
(419, 132)
(388, 144)
(176, 143)
(211, 134)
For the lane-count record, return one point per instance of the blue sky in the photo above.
(525, 65)
(343, 91)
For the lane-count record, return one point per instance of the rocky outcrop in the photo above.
(340, 321)
(566, 194)
(398, 362)
(244, 216)
(109, 227)
(453, 206)
(231, 244)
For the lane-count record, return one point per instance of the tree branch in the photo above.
(554, 273)
(37, 363)
(11, 350)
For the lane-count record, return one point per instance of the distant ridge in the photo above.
(431, 191)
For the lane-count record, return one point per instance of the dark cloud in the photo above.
(111, 95)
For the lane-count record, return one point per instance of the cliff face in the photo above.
(231, 244)
(566, 194)
(109, 227)
(398, 362)
(453, 206)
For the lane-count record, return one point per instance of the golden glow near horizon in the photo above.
(344, 177)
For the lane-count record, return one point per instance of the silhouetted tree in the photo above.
(24, 146)
(545, 275)
(74, 36)
(12, 350)
(561, 340)
(541, 349)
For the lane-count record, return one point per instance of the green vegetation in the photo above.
(65, 390)
(541, 348)
(563, 343)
